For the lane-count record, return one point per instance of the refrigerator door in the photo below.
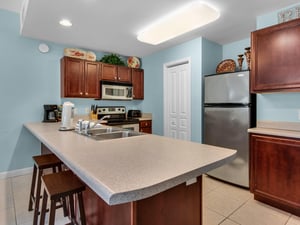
(227, 127)
(227, 88)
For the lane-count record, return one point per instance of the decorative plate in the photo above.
(227, 65)
(75, 53)
(133, 62)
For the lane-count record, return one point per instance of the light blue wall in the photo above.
(277, 106)
(197, 49)
(272, 106)
(153, 67)
(29, 79)
(232, 50)
(211, 56)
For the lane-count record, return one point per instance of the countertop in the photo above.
(129, 169)
(282, 129)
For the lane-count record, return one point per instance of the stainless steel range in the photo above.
(117, 117)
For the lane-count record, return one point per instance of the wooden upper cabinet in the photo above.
(80, 78)
(116, 73)
(92, 79)
(138, 83)
(109, 72)
(275, 58)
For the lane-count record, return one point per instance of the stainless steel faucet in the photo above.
(103, 118)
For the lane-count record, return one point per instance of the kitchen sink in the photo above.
(107, 133)
(102, 130)
(115, 134)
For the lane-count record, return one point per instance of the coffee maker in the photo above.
(50, 113)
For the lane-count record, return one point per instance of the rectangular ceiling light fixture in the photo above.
(188, 18)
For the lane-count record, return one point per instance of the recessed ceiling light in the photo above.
(188, 18)
(65, 22)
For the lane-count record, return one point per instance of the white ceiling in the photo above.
(112, 26)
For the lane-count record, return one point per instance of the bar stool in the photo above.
(41, 162)
(62, 185)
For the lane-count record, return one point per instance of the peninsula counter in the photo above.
(139, 180)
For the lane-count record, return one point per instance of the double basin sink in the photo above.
(107, 133)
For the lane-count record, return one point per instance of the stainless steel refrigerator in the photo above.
(229, 110)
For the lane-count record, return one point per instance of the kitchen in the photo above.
(33, 74)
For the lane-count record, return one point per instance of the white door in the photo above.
(177, 98)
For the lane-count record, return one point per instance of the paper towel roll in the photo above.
(67, 115)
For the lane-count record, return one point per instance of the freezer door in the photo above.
(227, 88)
(227, 127)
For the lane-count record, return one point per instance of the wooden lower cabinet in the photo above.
(181, 205)
(275, 171)
(146, 126)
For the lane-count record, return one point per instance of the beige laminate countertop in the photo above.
(282, 129)
(129, 169)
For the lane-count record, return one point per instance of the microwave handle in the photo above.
(129, 92)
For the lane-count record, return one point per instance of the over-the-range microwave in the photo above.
(115, 91)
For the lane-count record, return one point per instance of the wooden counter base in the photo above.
(176, 206)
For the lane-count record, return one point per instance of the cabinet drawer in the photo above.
(146, 123)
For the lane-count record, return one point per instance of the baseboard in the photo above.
(15, 173)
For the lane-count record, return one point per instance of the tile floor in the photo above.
(223, 204)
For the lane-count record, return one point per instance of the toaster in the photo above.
(134, 113)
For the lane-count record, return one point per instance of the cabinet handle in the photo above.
(119, 78)
(115, 78)
(86, 93)
(81, 93)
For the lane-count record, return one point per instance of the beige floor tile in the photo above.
(21, 185)
(294, 220)
(28, 223)
(23, 215)
(7, 217)
(6, 200)
(211, 218)
(21, 189)
(209, 184)
(219, 202)
(228, 222)
(257, 213)
(225, 199)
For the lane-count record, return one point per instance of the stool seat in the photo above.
(41, 163)
(46, 161)
(62, 186)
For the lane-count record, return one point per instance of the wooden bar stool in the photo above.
(41, 162)
(64, 185)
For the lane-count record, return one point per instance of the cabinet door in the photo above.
(138, 83)
(92, 79)
(275, 171)
(124, 74)
(109, 72)
(72, 78)
(275, 58)
(146, 126)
